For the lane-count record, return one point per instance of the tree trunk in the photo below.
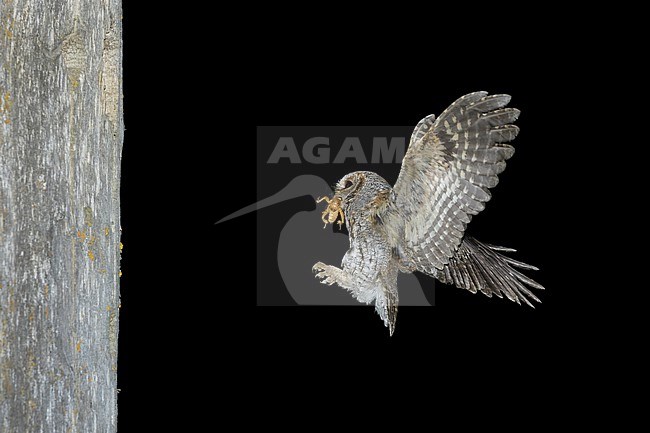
(61, 133)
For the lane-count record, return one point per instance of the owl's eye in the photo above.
(348, 184)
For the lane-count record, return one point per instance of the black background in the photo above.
(193, 95)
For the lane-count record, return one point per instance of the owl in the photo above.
(419, 224)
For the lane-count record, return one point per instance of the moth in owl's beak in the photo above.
(333, 210)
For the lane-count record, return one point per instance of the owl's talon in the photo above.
(325, 279)
(323, 273)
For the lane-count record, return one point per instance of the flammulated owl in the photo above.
(419, 225)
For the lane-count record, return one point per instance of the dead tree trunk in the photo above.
(61, 135)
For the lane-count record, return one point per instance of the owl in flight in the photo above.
(419, 225)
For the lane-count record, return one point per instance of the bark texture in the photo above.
(61, 132)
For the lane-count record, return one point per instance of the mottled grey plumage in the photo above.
(419, 225)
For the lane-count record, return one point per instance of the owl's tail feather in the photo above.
(386, 306)
(479, 267)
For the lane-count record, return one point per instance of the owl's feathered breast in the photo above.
(365, 204)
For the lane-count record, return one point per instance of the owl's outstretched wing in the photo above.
(446, 174)
(479, 267)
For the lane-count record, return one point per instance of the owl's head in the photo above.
(349, 185)
(360, 185)
(360, 191)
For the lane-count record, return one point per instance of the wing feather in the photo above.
(422, 127)
(479, 267)
(446, 174)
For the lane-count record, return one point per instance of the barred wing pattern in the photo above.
(446, 174)
(479, 267)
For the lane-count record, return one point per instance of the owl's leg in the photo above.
(331, 274)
